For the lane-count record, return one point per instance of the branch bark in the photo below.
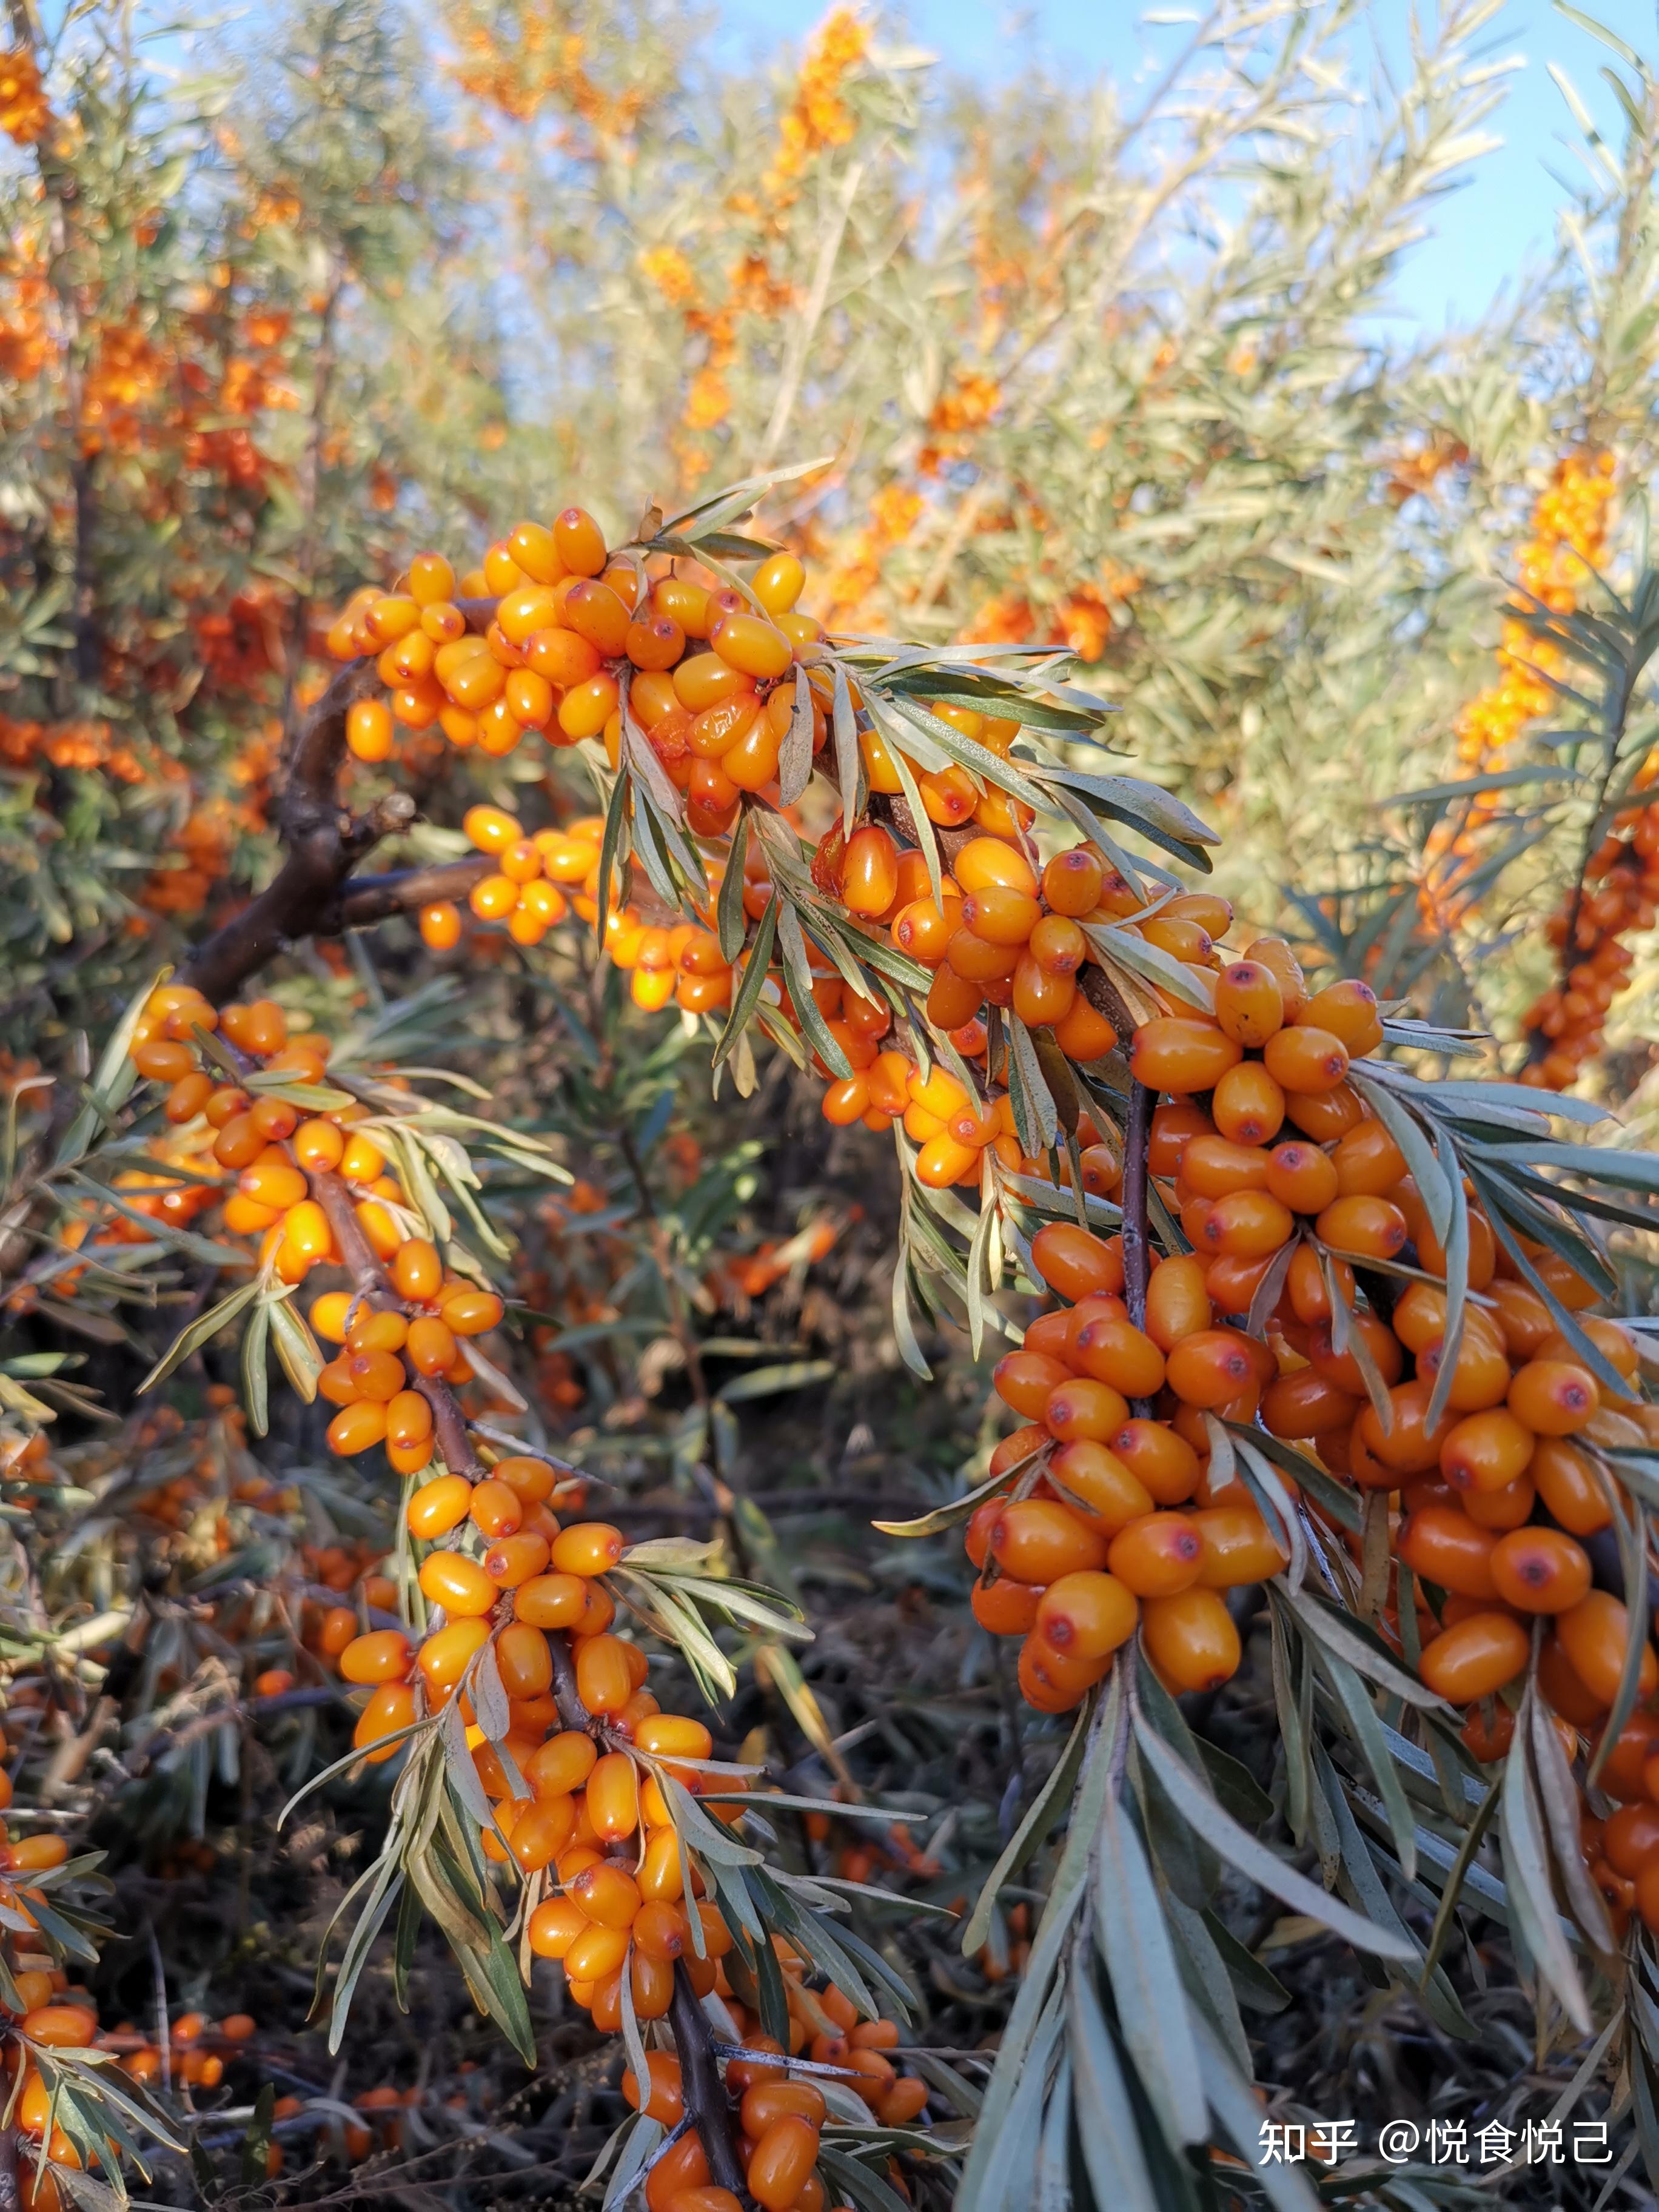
(704, 2090)
(1137, 1258)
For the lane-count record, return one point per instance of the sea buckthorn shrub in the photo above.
(1309, 1329)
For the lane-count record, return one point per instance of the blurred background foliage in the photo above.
(282, 301)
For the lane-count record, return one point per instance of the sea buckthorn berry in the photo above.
(613, 1797)
(556, 1601)
(512, 1561)
(356, 1428)
(1569, 1486)
(674, 1735)
(1326, 1114)
(1084, 1034)
(373, 1331)
(588, 1548)
(1409, 1445)
(1592, 1635)
(1474, 1658)
(1347, 1011)
(383, 1655)
(782, 2163)
(445, 1657)
(1368, 1227)
(1081, 1408)
(1444, 1546)
(1237, 1546)
(1249, 1106)
(1210, 1367)
(471, 1313)
(1539, 1570)
(1555, 1397)
(603, 1678)
(439, 1507)
(1273, 952)
(579, 542)
(1037, 1540)
(997, 914)
(754, 647)
(1024, 1380)
(497, 1508)
(1076, 1263)
(1072, 881)
(1117, 1352)
(1004, 1607)
(1191, 1639)
(1247, 1224)
(1157, 1555)
(1302, 1177)
(1305, 1061)
(1214, 1167)
(1248, 1004)
(1368, 1162)
(1098, 1483)
(1174, 1127)
(456, 1583)
(416, 1270)
(1306, 1404)
(869, 878)
(1164, 1464)
(1087, 1615)
(1177, 1052)
(607, 1895)
(532, 1479)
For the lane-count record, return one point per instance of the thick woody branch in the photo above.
(701, 2084)
(1104, 995)
(1137, 1259)
(321, 843)
(364, 900)
(895, 813)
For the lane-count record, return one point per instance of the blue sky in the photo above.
(1483, 233)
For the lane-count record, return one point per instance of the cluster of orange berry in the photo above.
(278, 1156)
(779, 2120)
(568, 632)
(1108, 1515)
(1619, 898)
(536, 880)
(582, 1809)
(1104, 1520)
(1568, 538)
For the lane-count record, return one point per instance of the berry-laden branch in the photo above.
(706, 2103)
(370, 1280)
(312, 894)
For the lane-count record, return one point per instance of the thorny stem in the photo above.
(1137, 1263)
(701, 2084)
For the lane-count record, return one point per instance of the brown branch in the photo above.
(322, 844)
(701, 2087)
(895, 813)
(568, 1698)
(1137, 1259)
(12, 2195)
(364, 900)
(1104, 995)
